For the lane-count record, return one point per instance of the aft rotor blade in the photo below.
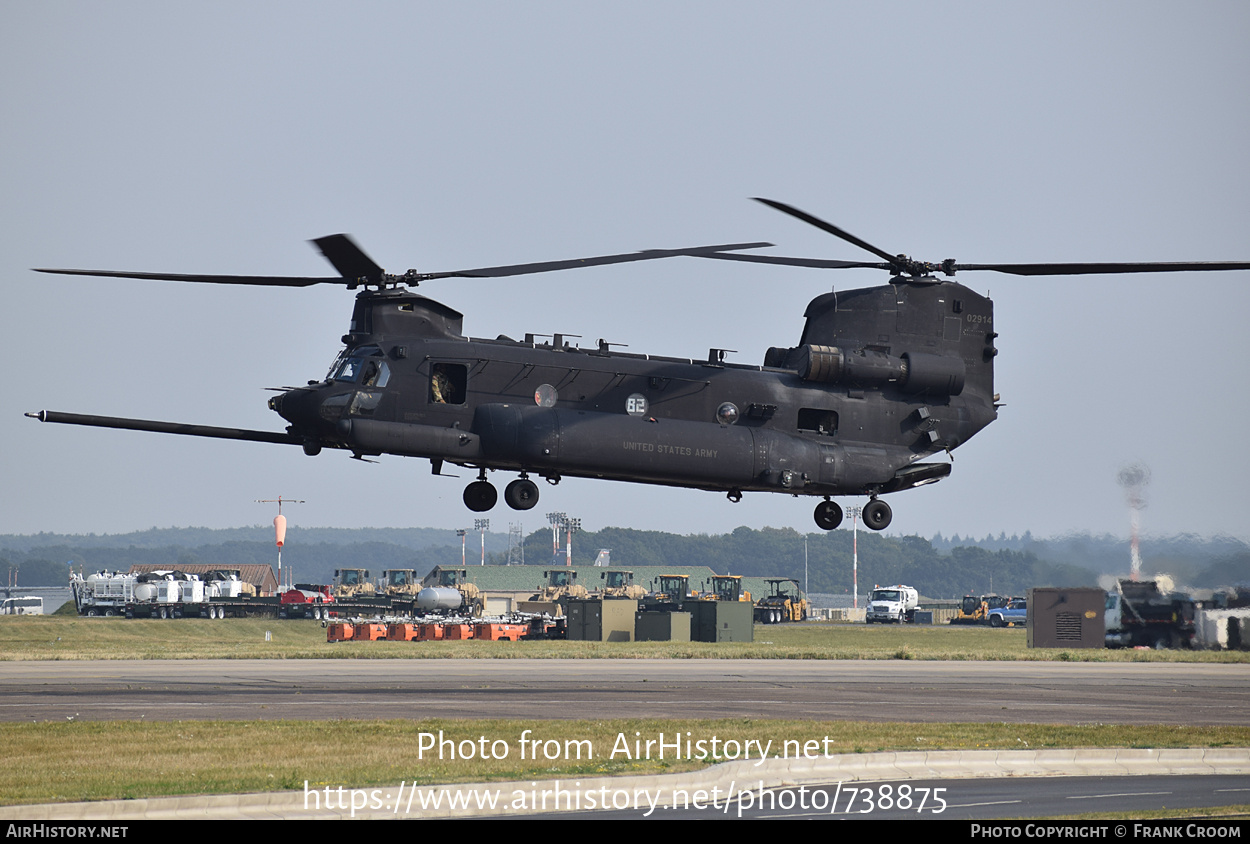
(549, 266)
(831, 228)
(1107, 268)
(819, 263)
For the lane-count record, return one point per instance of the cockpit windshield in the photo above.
(365, 365)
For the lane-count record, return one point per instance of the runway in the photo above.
(888, 690)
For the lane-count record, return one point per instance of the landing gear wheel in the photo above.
(877, 514)
(480, 496)
(828, 515)
(521, 494)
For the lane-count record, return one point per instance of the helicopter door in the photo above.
(449, 383)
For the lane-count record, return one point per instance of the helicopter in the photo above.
(882, 380)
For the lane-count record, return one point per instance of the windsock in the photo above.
(279, 528)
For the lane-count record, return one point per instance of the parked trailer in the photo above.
(779, 604)
(175, 594)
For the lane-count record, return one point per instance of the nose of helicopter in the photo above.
(297, 406)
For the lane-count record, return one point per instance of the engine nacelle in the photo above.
(914, 372)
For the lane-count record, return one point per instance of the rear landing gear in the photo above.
(828, 515)
(877, 514)
(480, 496)
(521, 494)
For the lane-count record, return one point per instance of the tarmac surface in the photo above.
(887, 690)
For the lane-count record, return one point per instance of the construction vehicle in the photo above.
(552, 596)
(669, 592)
(975, 609)
(471, 600)
(892, 604)
(353, 583)
(779, 604)
(725, 587)
(561, 583)
(400, 583)
(1148, 614)
(619, 583)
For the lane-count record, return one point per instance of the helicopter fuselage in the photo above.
(852, 410)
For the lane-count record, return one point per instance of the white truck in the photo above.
(895, 604)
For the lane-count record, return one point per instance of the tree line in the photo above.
(937, 567)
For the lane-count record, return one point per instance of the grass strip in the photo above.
(53, 638)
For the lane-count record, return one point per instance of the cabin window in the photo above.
(821, 421)
(448, 383)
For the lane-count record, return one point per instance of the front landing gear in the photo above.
(828, 515)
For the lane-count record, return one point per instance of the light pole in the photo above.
(571, 526)
(482, 525)
(854, 512)
(556, 519)
(463, 535)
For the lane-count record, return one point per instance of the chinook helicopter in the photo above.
(881, 380)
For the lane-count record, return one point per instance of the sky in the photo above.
(219, 138)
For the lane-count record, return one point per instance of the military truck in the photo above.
(1142, 614)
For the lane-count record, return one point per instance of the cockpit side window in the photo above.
(366, 365)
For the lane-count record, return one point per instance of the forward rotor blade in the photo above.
(548, 266)
(358, 268)
(1107, 268)
(348, 258)
(93, 421)
(264, 280)
(829, 227)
